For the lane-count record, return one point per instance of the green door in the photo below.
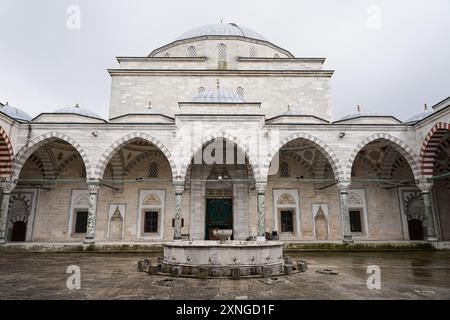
(219, 215)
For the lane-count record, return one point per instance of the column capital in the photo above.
(7, 186)
(94, 186)
(261, 187)
(343, 186)
(178, 186)
(425, 186)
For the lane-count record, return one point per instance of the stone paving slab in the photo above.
(411, 275)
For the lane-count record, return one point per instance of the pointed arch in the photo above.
(227, 137)
(323, 148)
(27, 150)
(406, 151)
(430, 147)
(116, 146)
(6, 155)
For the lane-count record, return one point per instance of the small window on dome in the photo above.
(192, 52)
(222, 52)
(253, 53)
(153, 170)
(240, 92)
(284, 169)
(201, 90)
(276, 56)
(167, 55)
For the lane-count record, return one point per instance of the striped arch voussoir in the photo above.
(400, 146)
(26, 151)
(325, 149)
(430, 146)
(116, 146)
(6, 155)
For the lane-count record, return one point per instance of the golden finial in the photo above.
(289, 107)
(425, 107)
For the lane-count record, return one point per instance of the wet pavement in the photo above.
(410, 275)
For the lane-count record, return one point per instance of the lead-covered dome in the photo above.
(78, 111)
(14, 112)
(218, 95)
(222, 29)
(419, 116)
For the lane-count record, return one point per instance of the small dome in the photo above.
(218, 95)
(221, 29)
(79, 111)
(358, 114)
(14, 112)
(419, 116)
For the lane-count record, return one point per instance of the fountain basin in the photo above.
(219, 259)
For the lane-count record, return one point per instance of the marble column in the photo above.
(179, 189)
(426, 187)
(343, 194)
(94, 187)
(261, 189)
(6, 189)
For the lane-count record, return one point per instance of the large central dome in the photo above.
(222, 29)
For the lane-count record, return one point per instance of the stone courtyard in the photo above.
(404, 275)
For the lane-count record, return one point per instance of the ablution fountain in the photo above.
(223, 258)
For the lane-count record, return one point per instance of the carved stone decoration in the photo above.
(152, 200)
(82, 201)
(178, 210)
(116, 225)
(321, 225)
(261, 189)
(354, 199)
(286, 199)
(6, 188)
(94, 187)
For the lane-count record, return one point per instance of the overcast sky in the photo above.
(389, 56)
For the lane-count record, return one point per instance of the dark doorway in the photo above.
(415, 228)
(219, 216)
(19, 231)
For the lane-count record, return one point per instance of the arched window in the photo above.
(222, 52)
(153, 170)
(284, 169)
(276, 56)
(201, 90)
(240, 91)
(167, 55)
(253, 53)
(192, 52)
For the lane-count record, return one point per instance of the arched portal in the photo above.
(307, 169)
(137, 169)
(435, 160)
(382, 172)
(220, 177)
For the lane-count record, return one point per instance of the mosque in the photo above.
(223, 129)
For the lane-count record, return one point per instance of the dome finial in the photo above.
(77, 106)
(358, 108)
(221, 20)
(425, 108)
(7, 103)
(289, 107)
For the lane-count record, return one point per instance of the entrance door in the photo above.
(415, 228)
(219, 216)
(19, 231)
